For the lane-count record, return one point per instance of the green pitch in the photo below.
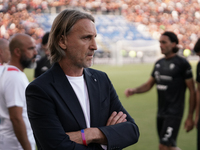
(142, 107)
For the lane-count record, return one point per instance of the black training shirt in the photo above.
(170, 75)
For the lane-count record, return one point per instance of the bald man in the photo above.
(4, 51)
(16, 132)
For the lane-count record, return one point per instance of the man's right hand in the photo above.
(94, 135)
(116, 118)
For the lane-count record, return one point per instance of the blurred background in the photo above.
(128, 30)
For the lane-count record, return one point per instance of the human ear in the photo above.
(17, 52)
(62, 42)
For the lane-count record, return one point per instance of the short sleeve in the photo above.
(153, 71)
(187, 71)
(14, 89)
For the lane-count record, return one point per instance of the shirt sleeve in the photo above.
(153, 71)
(188, 71)
(14, 90)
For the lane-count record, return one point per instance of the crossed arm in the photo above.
(116, 130)
(94, 135)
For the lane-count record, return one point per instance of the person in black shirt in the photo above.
(172, 74)
(43, 64)
(197, 123)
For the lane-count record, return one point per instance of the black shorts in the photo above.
(167, 128)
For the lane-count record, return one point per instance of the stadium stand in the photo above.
(112, 29)
(154, 17)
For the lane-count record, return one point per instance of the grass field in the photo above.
(142, 107)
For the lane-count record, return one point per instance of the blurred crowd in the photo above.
(17, 16)
(179, 16)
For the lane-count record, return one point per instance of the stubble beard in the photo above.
(28, 63)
